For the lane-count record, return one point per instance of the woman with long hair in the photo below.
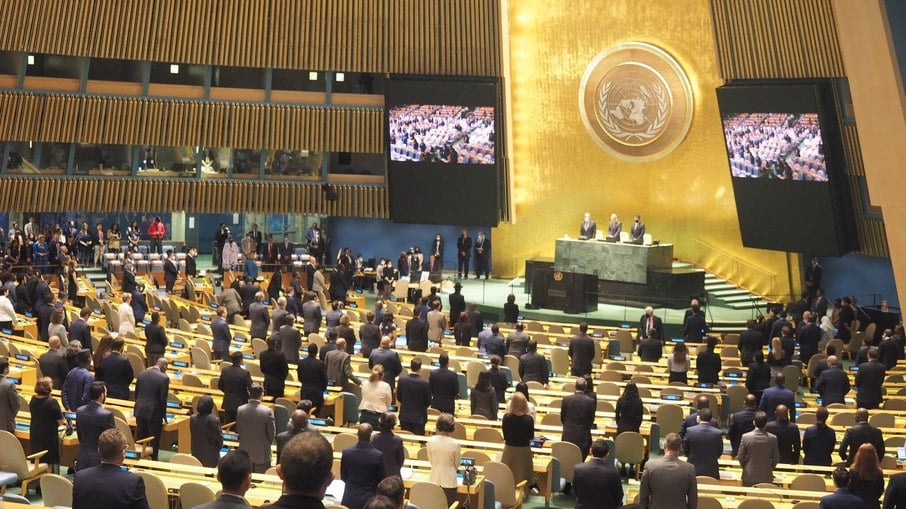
(376, 397)
(629, 409)
(484, 397)
(518, 430)
(56, 327)
(388, 327)
(462, 331)
(105, 346)
(46, 417)
(522, 387)
(776, 356)
(390, 445)
(114, 237)
(866, 480)
(207, 437)
(678, 363)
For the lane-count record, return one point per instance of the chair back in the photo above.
(736, 395)
(551, 419)
(480, 457)
(894, 404)
(607, 389)
(473, 369)
(706, 479)
(882, 420)
(610, 376)
(459, 431)
(192, 380)
(709, 502)
(137, 362)
(792, 374)
(193, 494)
(512, 362)
(670, 417)
(124, 428)
(559, 361)
(490, 435)
(504, 482)
(155, 491)
(200, 358)
(281, 418)
(755, 503)
(56, 491)
(805, 504)
(806, 420)
(569, 456)
(422, 454)
(630, 448)
(350, 407)
(258, 346)
(199, 343)
(185, 459)
(890, 443)
(605, 406)
(254, 368)
(808, 482)
(843, 419)
(344, 440)
(888, 462)
(425, 494)
(627, 344)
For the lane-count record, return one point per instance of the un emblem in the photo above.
(636, 102)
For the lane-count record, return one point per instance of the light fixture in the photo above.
(341, 76)
(31, 60)
(312, 76)
(174, 68)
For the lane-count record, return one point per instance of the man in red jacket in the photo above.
(156, 232)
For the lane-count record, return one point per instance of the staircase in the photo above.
(724, 294)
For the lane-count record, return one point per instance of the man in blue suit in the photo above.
(842, 498)
(703, 445)
(361, 468)
(106, 484)
(597, 483)
(221, 334)
(777, 395)
(414, 395)
(91, 420)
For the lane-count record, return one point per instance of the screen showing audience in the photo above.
(442, 148)
(785, 155)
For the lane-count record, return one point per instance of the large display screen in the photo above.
(786, 162)
(443, 151)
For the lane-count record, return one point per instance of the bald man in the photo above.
(788, 438)
(361, 468)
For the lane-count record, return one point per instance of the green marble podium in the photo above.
(628, 263)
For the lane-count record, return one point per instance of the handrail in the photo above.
(737, 265)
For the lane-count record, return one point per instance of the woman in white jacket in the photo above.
(7, 311)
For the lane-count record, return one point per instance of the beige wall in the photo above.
(558, 170)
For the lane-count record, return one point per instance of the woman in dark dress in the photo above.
(46, 418)
(313, 377)
(275, 286)
(510, 310)
(462, 331)
(758, 377)
(629, 409)
(866, 480)
(390, 445)
(518, 430)
(484, 397)
(207, 437)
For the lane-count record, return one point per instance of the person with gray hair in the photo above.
(833, 384)
(107, 484)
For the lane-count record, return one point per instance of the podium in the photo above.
(569, 292)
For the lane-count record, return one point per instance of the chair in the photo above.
(737, 397)
(350, 407)
(271, 470)
(806, 420)
(425, 494)
(805, 504)
(569, 456)
(559, 361)
(17, 499)
(511, 362)
(56, 491)
(493, 434)
(185, 459)
(258, 346)
(894, 404)
(14, 461)
(480, 457)
(155, 490)
(459, 431)
(193, 494)
(626, 343)
(344, 440)
(630, 449)
(137, 362)
(506, 492)
(882, 420)
(199, 343)
(792, 374)
(192, 380)
(604, 406)
(142, 447)
(670, 417)
(766, 486)
(610, 376)
(607, 389)
(706, 479)
(891, 443)
(473, 369)
(808, 482)
(200, 358)
(707, 502)
(281, 418)
(843, 419)
(552, 419)
(888, 462)
(534, 386)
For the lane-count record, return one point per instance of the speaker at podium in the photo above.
(569, 292)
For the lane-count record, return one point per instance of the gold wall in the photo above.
(558, 170)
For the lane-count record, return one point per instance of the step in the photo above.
(710, 287)
(683, 265)
(761, 303)
(748, 297)
(730, 292)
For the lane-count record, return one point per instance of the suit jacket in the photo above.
(230, 299)
(155, 339)
(463, 246)
(869, 382)
(857, 435)
(79, 330)
(481, 247)
(260, 318)
(651, 350)
(588, 229)
(275, 368)
(390, 359)
(758, 455)
(207, 438)
(414, 395)
(361, 468)
(444, 390)
(517, 344)
(637, 231)
(278, 318)
(841, 499)
(614, 228)
(295, 502)
(577, 413)
(703, 445)
(91, 420)
(191, 268)
(256, 426)
(708, 366)
(108, 483)
(417, 335)
(533, 368)
(582, 352)
(788, 440)
(235, 383)
(695, 328)
(290, 340)
(494, 345)
(819, 306)
(750, 342)
(9, 405)
(313, 377)
(666, 482)
(818, 443)
(888, 352)
(741, 423)
(370, 336)
(437, 324)
(53, 364)
(221, 335)
(311, 313)
(597, 485)
(247, 293)
(808, 336)
(656, 324)
(171, 272)
(833, 385)
(457, 305)
(774, 396)
(151, 388)
(224, 501)
(339, 368)
(895, 496)
(118, 375)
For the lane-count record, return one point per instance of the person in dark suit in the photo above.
(414, 395)
(668, 482)
(361, 468)
(298, 424)
(339, 368)
(842, 498)
(870, 381)
(813, 275)
(498, 379)
(649, 321)
(704, 445)
(482, 250)
(577, 414)
(614, 227)
(416, 335)
(517, 341)
(107, 484)
(156, 339)
(777, 395)
(390, 359)
(191, 265)
(369, 335)
(493, 343)
(597, 483)
(861, 433)
(260, 317)
(257, 429)
(91, 420)
(637, 230)
(582, 352)
(833, 384)
(750, 342)
(289, 339)
(389, 445)
(275, 368)
(758, 453)
(651, 349)
(235, 383)
(151, 389)
(457, 303)
(895, 495)
(741, 422)
(819, 441)
(234, 471)
(444, 386)
(128, 283)
(701, 403)
(819, 304)
(758, 377)
(708, 363)
(53, 362)
(207, 437)
(171, 271)
(588, 229)
(694, 326)
(533, 365)
(118, 373)
(79, 329)
(788, 438)
(808, 335)
(889, 351)
(313, 377)
(221, 335)
(463, 253)
(305, 468)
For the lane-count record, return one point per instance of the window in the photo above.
(103, 160)
(293, 164)
(55, 66)
(304, 81)
(216, 162)
(106, 69)
(177, 74)
(238, 77)
(168, 161)
(358, 164)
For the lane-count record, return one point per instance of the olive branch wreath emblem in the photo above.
(654, 127)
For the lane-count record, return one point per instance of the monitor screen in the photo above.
(777, 146)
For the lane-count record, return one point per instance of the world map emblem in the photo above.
(636, 102)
